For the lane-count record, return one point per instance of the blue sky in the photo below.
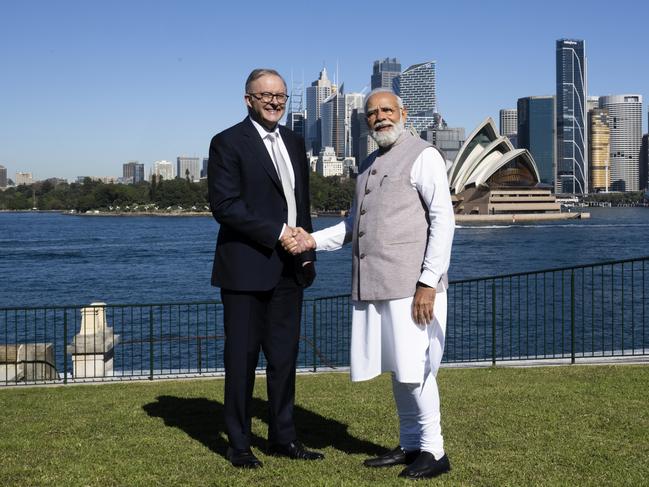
(86, 85)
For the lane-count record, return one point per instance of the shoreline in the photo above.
(521, 217)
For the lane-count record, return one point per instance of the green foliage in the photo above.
(571, 425)
(632, 197)
(333, 193)
(327, 194)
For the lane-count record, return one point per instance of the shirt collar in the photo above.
(263, 132)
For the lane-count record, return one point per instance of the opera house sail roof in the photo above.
(489, 160)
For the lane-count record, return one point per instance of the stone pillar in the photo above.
(92, 347)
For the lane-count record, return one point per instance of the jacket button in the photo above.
(368, 191)
(360, 234)
(363, 211)
(362, 256)
(373, 171)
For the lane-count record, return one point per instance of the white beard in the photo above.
(388, 137)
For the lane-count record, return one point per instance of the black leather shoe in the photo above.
(294, 450)
(398, 456)
(425, 467)
(242, 458)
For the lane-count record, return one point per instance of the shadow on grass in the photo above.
(202, 420)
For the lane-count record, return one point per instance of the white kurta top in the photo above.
(384, 336)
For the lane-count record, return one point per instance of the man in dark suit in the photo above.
(258, 178)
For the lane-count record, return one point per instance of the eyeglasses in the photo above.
(268, 97)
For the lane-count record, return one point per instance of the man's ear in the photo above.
(404, 114)
(246, 98)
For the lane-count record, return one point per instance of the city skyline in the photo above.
(89, 87)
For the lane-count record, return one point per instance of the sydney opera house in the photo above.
(489, 176)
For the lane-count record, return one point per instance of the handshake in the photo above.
(296, 240)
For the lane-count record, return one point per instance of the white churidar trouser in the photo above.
(386, 339)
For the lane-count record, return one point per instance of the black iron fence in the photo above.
(594, 310)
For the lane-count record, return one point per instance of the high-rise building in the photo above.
(332, 122)
(384, 72)
(3, 177)
(24, 178)
(644, 163)
(317, 93)
(508, 121)
(163, 170)
(599, 138)
(535, 132)
(417, 88)
(572, 143)
(206, 161)
(133, 172)
(625, 124)
(354, 104)
(447, 139)
(188, 168)
(295, 116)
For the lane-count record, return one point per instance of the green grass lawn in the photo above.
(577, 425)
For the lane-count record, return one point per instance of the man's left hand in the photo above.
(422, 305)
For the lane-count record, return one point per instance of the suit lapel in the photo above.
(259, 148)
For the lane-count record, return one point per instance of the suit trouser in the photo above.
(270, 321)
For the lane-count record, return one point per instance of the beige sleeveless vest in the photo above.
(390, 225)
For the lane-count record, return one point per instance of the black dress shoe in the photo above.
(398, 456)
(294, 450)
(242, 458)
(425, 467)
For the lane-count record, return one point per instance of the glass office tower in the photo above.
(572, 143)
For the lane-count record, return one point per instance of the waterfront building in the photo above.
(328, 164)
(508, 122)
(489, 177)
(422, 121)
(644, 163)
(366, 144)
(24, 178)
(599, 149)
(625, 125)
(316, 94)
(163, 170)
(332, 122)
(384, 72)
(296, 115)
(3, 177)
(535, 132)
(188, 168)
(296, 121)
(133, 172)
(572, 143)
(206, 161)
(447, 139)
(417, 88)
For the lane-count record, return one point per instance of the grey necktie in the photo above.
(285, 178)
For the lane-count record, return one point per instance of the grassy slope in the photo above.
(579, 425)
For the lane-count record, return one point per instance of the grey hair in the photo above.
(376, 91)
(255, 74)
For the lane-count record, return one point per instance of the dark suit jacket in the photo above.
(247, 200)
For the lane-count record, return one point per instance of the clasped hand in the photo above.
(296, 240)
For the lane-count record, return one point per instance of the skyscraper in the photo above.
(644, 163)
(295, 117)
(25, 178)
(572, 143)
(317, 93)
(536, 116)
(417, 88)
(188, 168)
(332, 122)
(3, 177)
(599, 149)
(384, 72)
(163, 170)
(354, 104)
(625, 124)
(133, 172)
(508, 121)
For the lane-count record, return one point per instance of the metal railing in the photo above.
(596, 310)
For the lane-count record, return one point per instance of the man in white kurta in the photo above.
(399, 279)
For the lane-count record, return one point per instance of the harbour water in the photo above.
(55, 259)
